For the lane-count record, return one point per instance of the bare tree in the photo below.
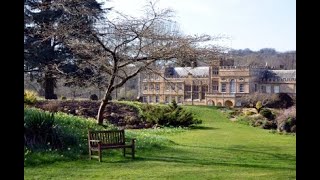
(278, 100)
(122, 47)
(264, 98)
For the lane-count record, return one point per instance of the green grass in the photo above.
(217, 149)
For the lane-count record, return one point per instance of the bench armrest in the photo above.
(97, 141)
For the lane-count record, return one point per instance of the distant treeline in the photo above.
(265, 56)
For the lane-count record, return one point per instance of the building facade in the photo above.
(220, 84)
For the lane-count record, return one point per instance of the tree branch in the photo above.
(134, 74)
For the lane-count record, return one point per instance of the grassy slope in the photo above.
(219, 150)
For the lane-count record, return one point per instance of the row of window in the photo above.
(167, 99)
(196, 93)
(168, 86)
(232, 87)
(279, 79)
(173, 86)
(151, 87)
(267, 89)
(215, 71)
(150, 99)
(195, 88)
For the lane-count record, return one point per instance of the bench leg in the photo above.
(132, 153)
(90, 152)
(124, 152)
(99, 153)
(133, 147)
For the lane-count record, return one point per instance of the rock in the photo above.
(113, 114)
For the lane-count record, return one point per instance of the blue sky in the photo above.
(252, 24)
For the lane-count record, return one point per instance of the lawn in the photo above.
(218, 149)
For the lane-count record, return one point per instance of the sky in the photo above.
(253, 24)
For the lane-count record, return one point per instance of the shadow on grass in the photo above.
(194, 161)
(172, 155)
(186, 160)
(203, 128)
(247, 150)
(47, 158)
(176, 155)
(244, 149)
(44, 158)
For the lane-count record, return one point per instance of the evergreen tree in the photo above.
(48, 23)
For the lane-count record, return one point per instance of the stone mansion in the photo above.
(220, 84)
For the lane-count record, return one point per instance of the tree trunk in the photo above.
(125, 92)
(103, 105)
(116, 94)
(49, 83)
(101, 110)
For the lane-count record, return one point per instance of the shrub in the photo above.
(52, 106)
(289, 125)
(30, 97)
(233, 113)
(245, 120)
(265, 124)
(279, 100)
(172, 115)
(137, 106)
(283, 100)
(93, 97)
(267, 113)
(258, 106)
(39, 129)
(59, 130)
(63, 98)
(259, 123)
(257, 117)
(57, 137)
(273, 131)
(287, 119)
(180, 117)
(249, 113)
(269, 125)
(186, 119)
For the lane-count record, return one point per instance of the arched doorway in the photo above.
(211, 103)
(228, 103)
(219, 104)
(232, 86)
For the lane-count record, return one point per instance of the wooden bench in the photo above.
(115, 139)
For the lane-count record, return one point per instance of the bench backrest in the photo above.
(114, 137)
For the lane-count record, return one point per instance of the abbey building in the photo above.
(220, 84)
